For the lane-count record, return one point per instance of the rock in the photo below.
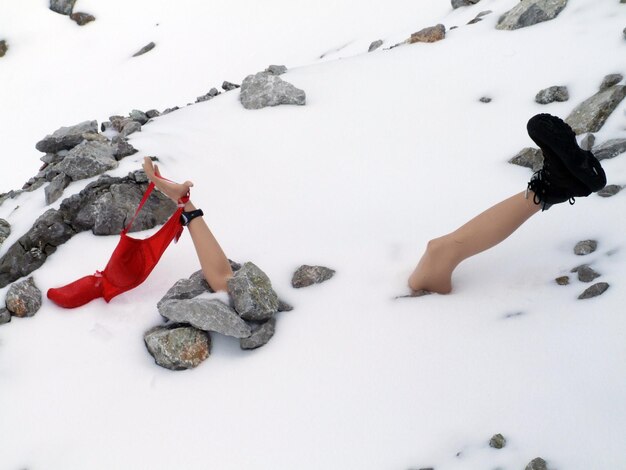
(552, 94)
(585, 247)
(227, 86)
(82, 18)
(276, 69)
(206, 315)
(479, 17)
(593, 291)
(611, 80)
(591, 114)
(485, 99)
(23, 298)
(5, 316)
(537, 464)
(186, 289)
(624, 33)
(178, 347)
(64, 7)
(139, 116)
(375, 45)
(252, 293)
(4, 47)
(130, 128)
(152, 113)
(66, 138)
(430, 34)
(609, 190)
(284, 306)
(588, 142)
(463, 3)
(530, 12)
(147, 48)
(87, 159)
(264, 89)
(497, 441)
(585, 273)
(54, 190)
(529, 157)
(213, 92)
(121, 148)
(170, 110)
(5, 230)
(562, 280)
(260, 336)
(307, 275)
(610, 149)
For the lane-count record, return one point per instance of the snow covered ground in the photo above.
(393, 148)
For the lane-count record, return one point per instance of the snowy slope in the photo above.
(393, 148)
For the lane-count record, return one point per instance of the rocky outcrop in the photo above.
(178, 347)
(610, 149)
(147, 48)
(591, 114)
(529, 157)
(261, 334)
(87, 159)
(66, 138)
(307, 275)
(265, 89)
(252, 293)
(463, 3)
(585, 247)
(4, 47)
(64, 7)
(54, 190)
(430, 34)
(5, 230)
(23, 298)
(530, 12)
(552, 94)
(81, 19)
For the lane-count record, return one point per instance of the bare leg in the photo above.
(434, 270)
(213, 261)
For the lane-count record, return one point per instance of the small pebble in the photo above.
(595, 290)
(485, 99)
(610, 190)
(585, 247)
(586, 273)
(562, 280)
(497, 441)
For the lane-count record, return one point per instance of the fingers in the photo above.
(189, 184)
(156, 170)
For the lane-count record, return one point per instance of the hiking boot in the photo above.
(568, 171)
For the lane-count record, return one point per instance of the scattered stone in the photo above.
(562, 280)
(485, 99)
(227, 86)
(170, 110)
(139, 116)
(54, 190)
(307, 275)
(23, 298)
(4, 47)
(178, 347)
(66, 138)
(213, 92)
(591, 114)
(5, 316)
(537, 464)
(624, 32)
(463, 3)
(265, 89)
(152, 113)
(284, 306)
(585, 273)
(497, 441)
(513, 315)
(611, 80)
(530, 12)
(260, 336)
(529, 157)
(147, 48)
(479, 17)
(552, 94)
(609, 190)
(87, 159)
(64, 7)
(430, 34)
(593, 291)
(186, 289)
(585, 247)
(252, 293)
(588, 142)
(82, 18)
(206, 315)
(610, 149)
(375, 45)
(276, 69)
(5, 230)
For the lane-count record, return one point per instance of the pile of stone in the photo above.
(585, 272)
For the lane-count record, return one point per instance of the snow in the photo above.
(392, 149)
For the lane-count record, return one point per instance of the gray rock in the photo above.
(5, 316)
(88, 159)
(307, 275)
(152, 113)
(479, 17)
(265, 89)
(66, 138)
(375, 45)
(552, 94)
(54, 190)
(213, 92)
(139, 116)
(64, 7)
(611, 80)
(5, 230)
(585, 273)
(227, 86)
(206, 315)
(485, 99)
(284, 306)
(130, 128)
(529, 158)
(610, 149)
(178, 347)
(147, 48)
(537, 464)
(118, 122)
(595, 290)
(624, 32)
(497, 441)
(186, 289)
(609, 190)
(591, 114)
(170, 110)
(530, 12)
(463, 3)
(276, 69)
(260, 336)
(562, 280)
(252, 293)
(585, 247)
(121, 148)
(23, 298)
(588, 142)
(4, 47)
(430, 34)
(81, 19)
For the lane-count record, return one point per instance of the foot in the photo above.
(175, 191)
